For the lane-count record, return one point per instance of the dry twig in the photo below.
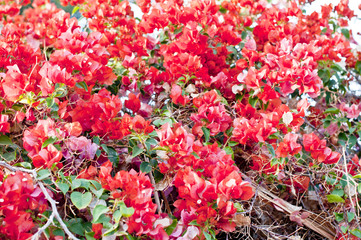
(313, 221)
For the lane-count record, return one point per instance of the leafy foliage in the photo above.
(156, 128)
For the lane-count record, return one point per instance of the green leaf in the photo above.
(271, 150)
(59, 232)
(346, 179)
(207, 133)
(49, 141)
(239, 207)
(337, 67)
(42, 174)
(145, 167)
(75, 184)
(223, 10)
(150, 142)
(338, 192)
(97, 193)
(344, 229)
(331, 180)
(352, 140)
(194, 223)
(160, 122)
(207, 235)
(346, 33)
(351, 130)
(96, 140)
(339, 216)
(169, 230)
(153, 134)
(332, 198)
(324, 74)
(244, 34)
(232, 143)
(113, 155)
(9, 156)
(359, 188)
(326, 123)
(273, 136)
(356, 232)
(81, 200)
(90, 236)
(24, 165)
(64, 187)
(117, 215)
(76, 225)
(130, 237)
(229, 151)
(350, 216)
(136, 151)
(274, 161)
(229, 133)
(153, 162)
(105, 220)
(158, 176)
(342, 138)
(126, 212)
(82, 85)
(252, 101)
(5, 140)
(111, 231)
(332, 110)
(49, 102)
(98, 153)
(358, 67)
(75, 9)
(60, 90)
(98, 211)
(96, 184)
(196, 155)
(79, 182)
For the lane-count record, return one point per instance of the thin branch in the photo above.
(253, 201)
(166, 203)
(14, 169)
(156, 196)
(55, 211)
(42, 229)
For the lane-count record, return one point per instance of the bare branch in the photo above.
(156, 196)
(45, 226)
(55, 211)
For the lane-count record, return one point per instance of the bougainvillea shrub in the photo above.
(200, 120)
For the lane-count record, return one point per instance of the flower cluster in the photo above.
(135, 190)
(18, 195)
(178, 111)
(318, 149)
(212, 114)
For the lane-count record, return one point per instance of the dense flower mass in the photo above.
(189, 121)
(21, 203)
